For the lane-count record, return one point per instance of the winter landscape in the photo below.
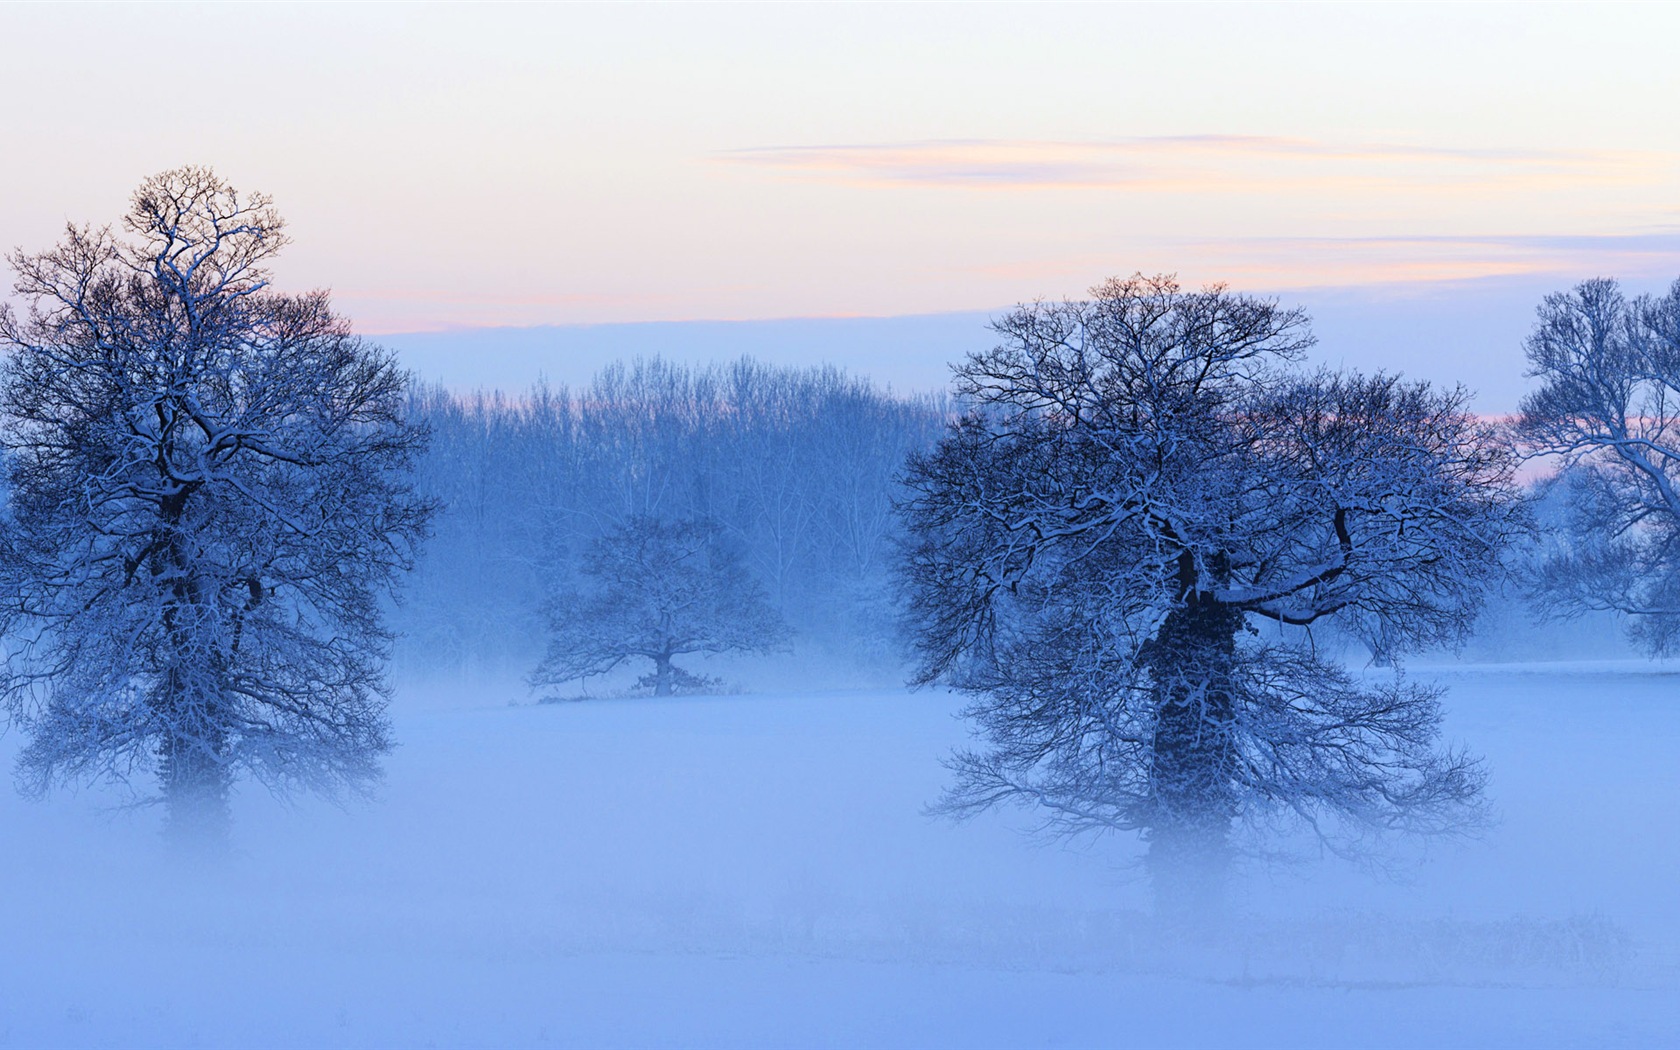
(695, 531)
(755, 870)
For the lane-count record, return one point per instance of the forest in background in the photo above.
(798, 466)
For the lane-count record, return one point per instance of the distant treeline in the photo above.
(798, 465)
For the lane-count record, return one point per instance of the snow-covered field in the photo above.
(756, 870)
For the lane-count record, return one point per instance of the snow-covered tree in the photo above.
(1120, 551)
(208, 497)
(656, 590)
(1609, 412)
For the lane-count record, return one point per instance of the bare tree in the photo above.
(1609, 412)
(208, 498)
(1139, 487)
(658, 590)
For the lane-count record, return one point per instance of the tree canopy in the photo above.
(1608, 412)
(208, 498)
(1121, 550)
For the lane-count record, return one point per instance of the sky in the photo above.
(447, 168)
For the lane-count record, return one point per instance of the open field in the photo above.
(755, 870)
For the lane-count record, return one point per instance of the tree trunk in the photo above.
(192, 755)
(195, 794)
(1192, 661)
(662, 675)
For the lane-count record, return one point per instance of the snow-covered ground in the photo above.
(756, 870)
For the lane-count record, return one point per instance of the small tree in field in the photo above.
(208, 497)
(1118, 551)
(656, 590)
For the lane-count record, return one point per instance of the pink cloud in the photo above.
(1282, 262)
(1202, 163)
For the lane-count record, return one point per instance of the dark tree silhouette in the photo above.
(1608, 411)
(208, 497)
(656, 590)
(1139, 488)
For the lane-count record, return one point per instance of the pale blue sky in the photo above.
(515, 165)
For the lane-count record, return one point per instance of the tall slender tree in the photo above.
(208, 498)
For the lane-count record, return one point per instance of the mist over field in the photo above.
(755, 870)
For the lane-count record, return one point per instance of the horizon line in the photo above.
(1420, 288)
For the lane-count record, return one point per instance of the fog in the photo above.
(756, 869)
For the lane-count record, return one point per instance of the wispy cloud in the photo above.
(1404, 259)
(1200, 163)
(1279, 262)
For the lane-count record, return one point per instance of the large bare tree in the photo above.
(1121, 550)
(208, 497)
